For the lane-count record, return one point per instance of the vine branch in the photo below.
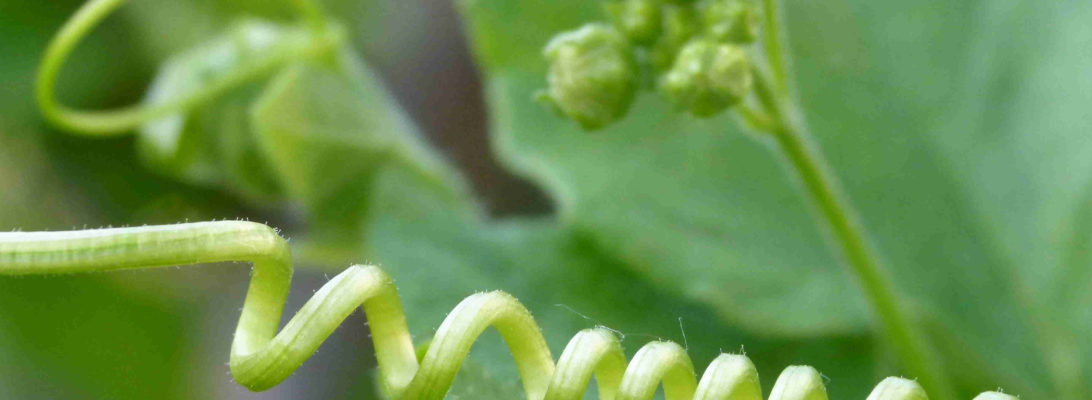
(771, 40)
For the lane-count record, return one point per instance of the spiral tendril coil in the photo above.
(261, 357)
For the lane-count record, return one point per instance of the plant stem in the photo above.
(849, 237)
(839, 217)
(771, 40)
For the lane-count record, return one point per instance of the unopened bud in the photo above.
(734, 21)
(707, 77)
(639, 20)
(680, 24)
(593, 75)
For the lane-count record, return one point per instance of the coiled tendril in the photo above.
(261, 357)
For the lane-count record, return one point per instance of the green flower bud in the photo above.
(593, 75)
(639, 20)
(680, 24)
(733, 21)
(707, 77)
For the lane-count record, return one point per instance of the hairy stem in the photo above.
(261, 356)
(835, 212)
(845, 230)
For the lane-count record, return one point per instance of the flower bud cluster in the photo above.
(694, 49)
(593, 74)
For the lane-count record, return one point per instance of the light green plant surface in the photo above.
(957, 130)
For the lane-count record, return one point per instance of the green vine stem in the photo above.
(838, 216)
(262, 357)
(771, 40)
(119, 121)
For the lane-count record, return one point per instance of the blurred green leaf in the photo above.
(326, 131)
(958, 130)
(213, 144)
(66, 328)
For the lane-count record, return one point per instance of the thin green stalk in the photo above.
(840, 218)
(771, 40)
(757, 120)
(845, 230)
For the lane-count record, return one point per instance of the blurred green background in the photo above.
(959, 129)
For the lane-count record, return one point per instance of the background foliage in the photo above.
(958, 129)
